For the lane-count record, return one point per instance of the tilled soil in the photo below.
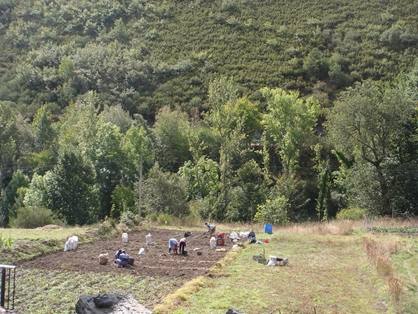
(156, 262)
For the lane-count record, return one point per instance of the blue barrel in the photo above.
(268, 228)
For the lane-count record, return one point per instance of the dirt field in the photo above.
(156, 262)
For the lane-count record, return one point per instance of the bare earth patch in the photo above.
(156, 262)
(52, 283)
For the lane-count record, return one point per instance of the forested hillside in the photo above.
(230, 110)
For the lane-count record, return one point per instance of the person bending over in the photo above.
(182, 244)
(172, 246)
(211, 228)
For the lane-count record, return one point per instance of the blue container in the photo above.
(268, 228)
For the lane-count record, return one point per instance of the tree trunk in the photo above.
(384, 190)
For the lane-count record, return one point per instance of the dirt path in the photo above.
(156, 262)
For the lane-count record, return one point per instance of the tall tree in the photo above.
(71, 190)
(109, 161)
(42, 128)
(368, 122)
(139, 150)
(171, 130)
(289, 123)
(8, 143)
(9, 195)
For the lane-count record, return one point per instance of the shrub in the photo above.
(231, 6)
(162, 192)
(6, 243)
(162, 218)
(107, 228)
(123, 200)
(273, 211)
(315, 65)
(33, 217)
(352, 214)
(129, 218)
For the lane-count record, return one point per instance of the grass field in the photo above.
(43, 291)
(25, 244)
(333, 268)
(328, 272)
(44, 234)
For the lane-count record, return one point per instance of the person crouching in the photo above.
(172, 246)
(121, 258)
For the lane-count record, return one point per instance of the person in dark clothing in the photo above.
(251, 237)
(118, 252)
(121, 258)
(182, 244)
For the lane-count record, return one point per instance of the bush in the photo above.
(231, 6)
(107, 228)
(129, 219)
(6, 243)
(33, 217)
(351, 214)
(273, 211)
(162, 218)
(162, 192)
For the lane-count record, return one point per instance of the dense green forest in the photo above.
(233, 110)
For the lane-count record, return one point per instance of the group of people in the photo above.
(122, 259)
(178, 247)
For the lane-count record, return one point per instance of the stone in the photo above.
(103, 259)
(232, 311)
(109, 303)
(106, 301)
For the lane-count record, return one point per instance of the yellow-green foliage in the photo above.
(351, 214)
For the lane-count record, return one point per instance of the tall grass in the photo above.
(340, 227)
(379, 253)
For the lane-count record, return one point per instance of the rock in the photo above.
(103, 259)
(232, 311)
(106, 301)
(109, 303)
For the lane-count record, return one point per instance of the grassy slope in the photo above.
(327, 274)
(58, 292)
(36, 234)
(264, 43)
(260, 43)
(29, 243)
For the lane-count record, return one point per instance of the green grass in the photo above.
(30, 243)
(402, 230)
(406, 265)
(43, 291)
(326, 274)
(36, 234)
